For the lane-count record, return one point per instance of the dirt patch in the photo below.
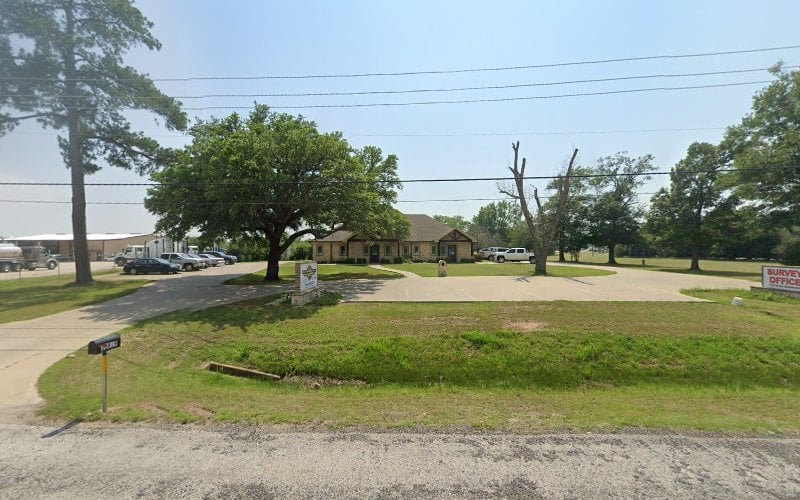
(317, 382)
(526, 326)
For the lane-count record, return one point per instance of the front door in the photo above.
(451, 253)
(375, 254)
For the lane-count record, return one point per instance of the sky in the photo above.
(252, 38)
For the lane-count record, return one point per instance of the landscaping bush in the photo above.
(386, 260)
(398, 260)
(467, 260)
(361, 260)
(477, 257)
(349, 260)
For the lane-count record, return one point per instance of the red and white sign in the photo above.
(781, 278)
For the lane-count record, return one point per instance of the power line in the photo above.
(485, 100)
(467, 134)
(442, 71)
(402, 181)
(258, 203)
(424, 90)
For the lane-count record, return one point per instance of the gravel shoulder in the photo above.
(241, 462)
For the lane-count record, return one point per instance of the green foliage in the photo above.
(62, 66)
(454, 221)
(573, 231)
(276, 178)
(789, 247)
(683, 217)
(615, 213)
(300, 250)
(765, 149)
(493, 222)
(467, 260)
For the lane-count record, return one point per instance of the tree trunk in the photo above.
(562, 257)
(612, 255)
(83, 270)
(695, 266)
(273, 260)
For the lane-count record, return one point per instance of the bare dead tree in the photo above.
(541, 225)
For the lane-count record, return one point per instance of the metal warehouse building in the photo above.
(100, 244)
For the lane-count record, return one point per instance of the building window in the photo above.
(388, 250)
(342, 249)
(405, 250)
(319, 250)
(366, 249)
(416, 249)
(433, 250)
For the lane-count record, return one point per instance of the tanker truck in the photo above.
(10, 258)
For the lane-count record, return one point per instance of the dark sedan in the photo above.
(144, 266)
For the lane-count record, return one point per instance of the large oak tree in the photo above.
(275, 177)
(682, 217)
(61, 65)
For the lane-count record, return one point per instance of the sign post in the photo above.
(102, 346)
(306, 287)
(781, 279)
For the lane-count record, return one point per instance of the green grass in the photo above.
(428, 270)
(726, 268)
(520, 366)
(325, 272)
(35, 297)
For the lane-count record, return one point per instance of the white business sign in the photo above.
(781, 278)
(308, 276)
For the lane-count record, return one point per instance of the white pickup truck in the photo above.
(515, 255)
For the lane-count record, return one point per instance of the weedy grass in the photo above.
(526, 366)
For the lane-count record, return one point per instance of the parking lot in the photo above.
(68, 268)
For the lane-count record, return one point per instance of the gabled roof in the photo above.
(338, 236)
(423, 228)
(426, 228)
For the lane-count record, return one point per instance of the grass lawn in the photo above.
(429, 270)
(528, 367)
(325, 272)
(727, 268)
(35, 297)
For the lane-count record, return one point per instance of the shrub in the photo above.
(788, 249)
(361, 260)
(467, 260)
(477, 256)
(386, 260)
(398, 260)
(349, 260)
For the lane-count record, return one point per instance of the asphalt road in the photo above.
(252, 462)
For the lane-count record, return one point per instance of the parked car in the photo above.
(490, 252)
(229, 259)
(515, 255)
(215, 261)
(187, 263)
(205, 262)
(145, 266)
(60, 257)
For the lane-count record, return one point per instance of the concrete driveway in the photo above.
(627, 285)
